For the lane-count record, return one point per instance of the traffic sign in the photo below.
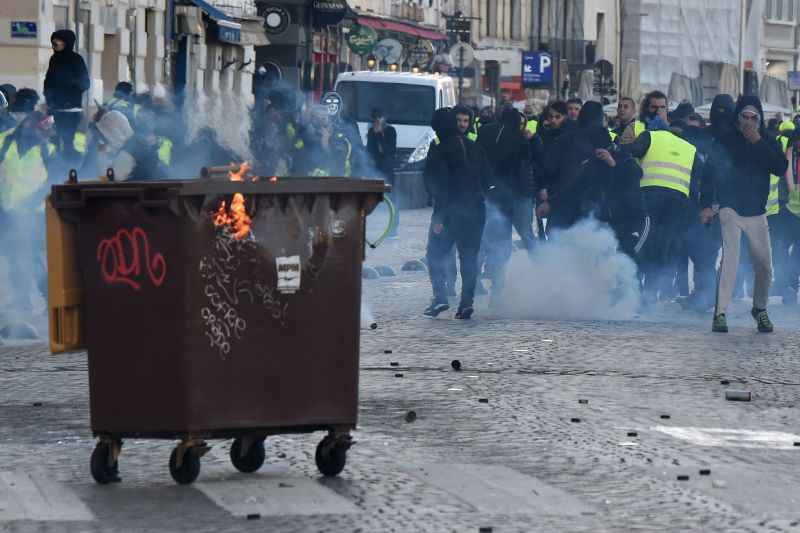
(461, 54)
(537, 68)
(794, 80)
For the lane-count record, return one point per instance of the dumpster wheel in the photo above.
(184, 461)
(247, 454)
(104, 463)
(331, 454)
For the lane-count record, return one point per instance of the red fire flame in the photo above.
(235, 218)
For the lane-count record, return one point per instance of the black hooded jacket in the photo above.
(67, 78)
(456, 169)
(739, 171)
(509, 157)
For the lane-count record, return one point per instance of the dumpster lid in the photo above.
(75, 194)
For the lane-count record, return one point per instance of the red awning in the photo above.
(408, 29)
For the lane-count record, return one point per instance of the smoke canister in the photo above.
(738, 395)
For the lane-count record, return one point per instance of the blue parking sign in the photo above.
(537, 68)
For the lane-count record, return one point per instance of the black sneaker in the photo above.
(436, 309)
(465, 313)
(762, 320)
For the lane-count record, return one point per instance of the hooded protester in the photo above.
(66, 81)
(787, 251)
(122, 101)
(670, 165)
(110, 133)
(327, 151)
(455, 175)
(143, 146)
(739, 170)
(574, 172)
(510, 197)
(698, 242)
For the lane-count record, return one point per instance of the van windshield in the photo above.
(401, 103)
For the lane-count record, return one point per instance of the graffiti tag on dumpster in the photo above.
(126, 258)
(224, 291)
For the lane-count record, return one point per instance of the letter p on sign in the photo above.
(544, 62)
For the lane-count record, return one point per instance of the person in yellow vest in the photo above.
(669, 164)
(628, 127)
(25, 155)
(783, 212)
(531, 124)
(122, 101)
(326, 151)
(739, 169)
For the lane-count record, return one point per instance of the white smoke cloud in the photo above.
(577, 275)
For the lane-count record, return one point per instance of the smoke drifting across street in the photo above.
(577, 275)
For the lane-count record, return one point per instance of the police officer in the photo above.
(669, 164)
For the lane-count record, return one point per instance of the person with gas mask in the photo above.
(326, 151)
(456, 172)
(739, 169)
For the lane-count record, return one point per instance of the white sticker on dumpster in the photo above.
(288, 274)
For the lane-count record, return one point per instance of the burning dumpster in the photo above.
(217, 309)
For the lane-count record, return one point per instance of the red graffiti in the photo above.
(121, 262)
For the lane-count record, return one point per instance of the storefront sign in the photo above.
(23, 29)
(229, 32)
(328, 12)
(276, 18)
(362, 39)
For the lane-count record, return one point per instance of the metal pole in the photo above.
(742, 29)
(460, 72)
(564, 34)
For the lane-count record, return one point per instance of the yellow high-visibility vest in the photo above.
(21, 176)
(639, 127)
(668, 162)
(79, 142)
(773, 206)
(165, 150)
(472, 136)
(532, 126)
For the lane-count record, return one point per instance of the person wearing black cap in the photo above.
(739, 170)
(66, 81)
(455, 174)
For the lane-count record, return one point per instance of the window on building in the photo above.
(516, 20)
(780, 10)
(61, 17)
(491, 18)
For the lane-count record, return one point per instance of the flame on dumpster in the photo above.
(239, 175)
(235, 218)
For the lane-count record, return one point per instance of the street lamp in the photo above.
(415, 69)
(371, 62)
(393, 67)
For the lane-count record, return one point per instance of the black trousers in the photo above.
(66, 124)
(785, 233)
(699, 243)
(464, 230)
(667, 210)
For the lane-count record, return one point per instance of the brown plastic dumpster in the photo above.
(218, 309)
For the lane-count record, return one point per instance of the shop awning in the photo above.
(227, 30)
(400, 27)
(253, 33)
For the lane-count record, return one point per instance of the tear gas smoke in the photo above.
(577, 275)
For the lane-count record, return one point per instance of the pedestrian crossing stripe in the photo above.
(733, 438)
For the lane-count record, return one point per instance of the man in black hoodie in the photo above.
(510, 195)
(66, 81)
(739, 169)
(455, 176)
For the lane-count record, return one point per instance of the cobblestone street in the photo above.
(548, 426)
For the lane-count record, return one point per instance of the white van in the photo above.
(407, 100)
